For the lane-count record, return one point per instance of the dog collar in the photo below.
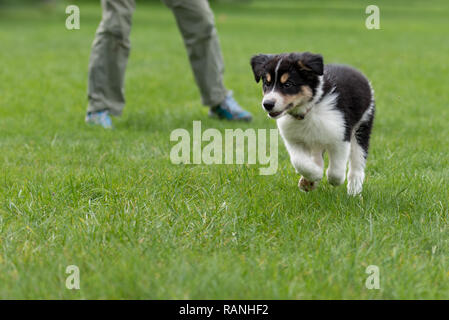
(301, 116)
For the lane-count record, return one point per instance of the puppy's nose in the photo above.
(269, 104)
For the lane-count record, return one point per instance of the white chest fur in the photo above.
(322, 126)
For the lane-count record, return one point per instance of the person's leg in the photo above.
(109, 56)
(196, 23)
(195, 20)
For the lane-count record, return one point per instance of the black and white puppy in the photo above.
(319, 108)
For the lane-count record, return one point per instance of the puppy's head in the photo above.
(289, 80)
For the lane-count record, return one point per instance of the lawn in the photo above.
(138, 226)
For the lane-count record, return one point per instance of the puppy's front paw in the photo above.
(306, 185)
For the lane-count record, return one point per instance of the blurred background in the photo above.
(53, 2)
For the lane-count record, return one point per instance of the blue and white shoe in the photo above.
(99, 118)
(229, 109)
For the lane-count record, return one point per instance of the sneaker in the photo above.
(229, 109)
(99, 118)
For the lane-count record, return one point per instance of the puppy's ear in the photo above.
(258, 64)
(310, 62)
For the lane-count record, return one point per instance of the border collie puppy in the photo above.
(319, 108)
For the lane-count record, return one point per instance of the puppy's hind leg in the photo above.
(356, 173)
(357, 158)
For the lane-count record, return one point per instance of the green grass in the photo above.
(138, 226)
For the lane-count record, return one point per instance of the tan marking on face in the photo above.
(268, 77)
(307, 92)
(285, 77)
(301, 97)
(302, 66)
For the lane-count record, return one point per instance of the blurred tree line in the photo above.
(28, 2)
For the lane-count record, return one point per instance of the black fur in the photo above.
(257, 63)
(363, 133)
(354, 93)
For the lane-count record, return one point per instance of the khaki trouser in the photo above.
(110, 51)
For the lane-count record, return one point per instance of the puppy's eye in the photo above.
(288, 84)
(267, 78)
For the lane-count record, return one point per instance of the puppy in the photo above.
(319, 108)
